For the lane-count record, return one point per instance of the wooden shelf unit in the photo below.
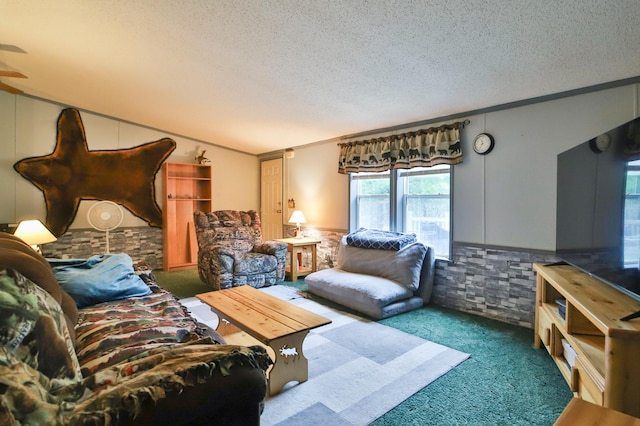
(606, 371)
(186, 188)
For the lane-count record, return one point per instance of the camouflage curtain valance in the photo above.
(421, 148)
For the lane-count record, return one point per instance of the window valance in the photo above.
(420, 148)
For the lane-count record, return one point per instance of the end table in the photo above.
(295, 247)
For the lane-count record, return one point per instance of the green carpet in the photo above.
(505, 382)
(182, 283)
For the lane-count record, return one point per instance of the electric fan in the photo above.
(105, 216)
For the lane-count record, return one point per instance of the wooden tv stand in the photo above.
(606, 370)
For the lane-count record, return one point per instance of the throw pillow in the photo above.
(101, 278)
(403, 266)
(382, 240)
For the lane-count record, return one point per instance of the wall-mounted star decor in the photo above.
(72, 173)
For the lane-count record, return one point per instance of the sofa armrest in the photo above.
(219, 256)
(427, 275)
(177, 385)
(236, 399)
(277, 249)
(274, 248)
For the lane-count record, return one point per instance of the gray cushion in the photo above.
(402, 266)
(364, 293)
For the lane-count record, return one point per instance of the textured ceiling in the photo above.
(259, 76)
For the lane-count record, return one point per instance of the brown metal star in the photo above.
(73, 173)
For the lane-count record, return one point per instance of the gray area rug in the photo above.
(358, 369)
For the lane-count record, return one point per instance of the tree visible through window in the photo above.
(415, 200)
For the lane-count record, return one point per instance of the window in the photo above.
(416, 200)
(632, 215)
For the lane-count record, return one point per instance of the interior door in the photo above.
(271, 198)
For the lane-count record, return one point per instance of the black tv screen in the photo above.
(598, 207)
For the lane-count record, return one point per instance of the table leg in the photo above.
(314, 258)
(290, 363)
(225, 327)
(294, 263)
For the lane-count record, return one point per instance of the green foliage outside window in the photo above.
(374, 187)
(429, 184)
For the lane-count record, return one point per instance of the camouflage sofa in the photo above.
(140, 360)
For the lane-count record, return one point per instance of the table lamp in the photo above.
(297, 217)
(34, 233)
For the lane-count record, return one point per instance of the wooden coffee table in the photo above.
(278, 324)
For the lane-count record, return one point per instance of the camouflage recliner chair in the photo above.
(231, 251)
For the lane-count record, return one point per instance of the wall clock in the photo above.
(483, 143)
(601, 143)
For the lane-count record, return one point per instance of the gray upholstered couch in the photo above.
(377, 283)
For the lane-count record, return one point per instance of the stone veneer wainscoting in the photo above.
(326, 251)
(497, 283)
(143, 244)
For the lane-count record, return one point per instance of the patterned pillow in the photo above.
(34, 329)
(379, 240)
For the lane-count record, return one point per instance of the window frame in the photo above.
(398, 200)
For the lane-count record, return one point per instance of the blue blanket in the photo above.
(99, 278)
(381, 240)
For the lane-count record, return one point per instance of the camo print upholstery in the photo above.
(231, 251)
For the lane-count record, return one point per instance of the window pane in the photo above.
(428, 218)
(427, 211)
(374, 186)
(631, 243)
(423, 203)
(436, 182)
(373, 213)
(373, 203)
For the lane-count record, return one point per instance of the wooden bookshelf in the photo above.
(606, 369)
(187, 188)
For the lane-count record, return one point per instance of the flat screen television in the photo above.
(598, 208)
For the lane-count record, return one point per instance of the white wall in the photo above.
(312, 179)
(506, 198)
(28, 128)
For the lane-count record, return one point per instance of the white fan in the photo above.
(105, 216)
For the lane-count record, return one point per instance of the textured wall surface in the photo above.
(490, 282)
(143, 244)
(494, 283)
(326, 250)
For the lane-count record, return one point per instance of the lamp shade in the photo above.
(33, 232)
(297, 217)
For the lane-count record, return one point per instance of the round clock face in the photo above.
(483, 143)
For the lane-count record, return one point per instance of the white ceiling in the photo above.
(260, 75)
